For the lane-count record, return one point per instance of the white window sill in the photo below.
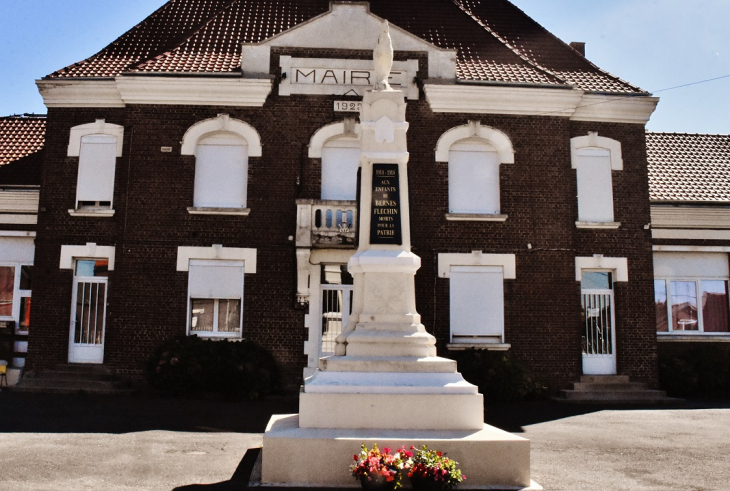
(219, 211)
(212, 335)
(475, 217)
(693, 337)
(483, 346)
(91, 212)
(604, 225)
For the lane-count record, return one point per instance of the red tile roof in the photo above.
(496, 41)
(686, 167)
(20, 136)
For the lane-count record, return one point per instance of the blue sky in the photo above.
(655, 44)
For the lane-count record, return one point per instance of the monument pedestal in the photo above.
(319, 458)
(386, 385)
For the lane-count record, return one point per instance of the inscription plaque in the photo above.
(385, 219)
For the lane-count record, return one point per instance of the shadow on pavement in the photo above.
(86, 413)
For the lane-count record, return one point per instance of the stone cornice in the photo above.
(123, 90)
(538, 101)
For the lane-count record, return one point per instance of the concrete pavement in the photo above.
(142, 442)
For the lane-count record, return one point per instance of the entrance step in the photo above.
(71, 379)
(613, 389)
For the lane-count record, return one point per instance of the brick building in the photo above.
(200, 177)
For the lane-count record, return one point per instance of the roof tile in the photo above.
(20, 136)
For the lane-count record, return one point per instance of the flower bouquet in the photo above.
(379, 470)
(431, 470)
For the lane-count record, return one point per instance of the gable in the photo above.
(348, 26)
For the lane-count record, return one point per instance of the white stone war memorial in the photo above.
(385, 384)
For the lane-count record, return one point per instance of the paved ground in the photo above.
(143, 442)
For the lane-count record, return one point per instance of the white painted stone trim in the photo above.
(475, 217)
(219, 211)
(618, 264)
(633, 109)
(17, 233)
(692, 337)
(216, 251)
(348, 26)
(689, 248)
(477, 258)
(288, 64)
(345, 128)
(221, 123)
(692, 234)
(606, 225)
(534, 101)
(100, 127)
(592, 140)
(332, 256)
(70, 252)
(79, 93)
(494, 137)
(81, 212)
(672, 216)
(207, 91)
(481, 346)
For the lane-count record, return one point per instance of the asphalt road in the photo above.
(145, 442)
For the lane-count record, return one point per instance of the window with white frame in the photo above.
(691, 292)
(340, 162)
(594, 159)
(473, 178)
(215, 297)
(477, 304)
(221, 171)
(97, 145)
(15, 294)
(97, 164)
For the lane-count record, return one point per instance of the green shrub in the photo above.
(499, 375)
(703, 371)
(190, 365)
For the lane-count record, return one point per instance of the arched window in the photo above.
(222, 147)
(338, 145)
(594, 159)
(474, 154)
(97, 145)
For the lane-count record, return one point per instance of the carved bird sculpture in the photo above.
(383, 58)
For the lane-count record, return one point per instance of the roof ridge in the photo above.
(680, 133)
(497, 36)
(179, 45)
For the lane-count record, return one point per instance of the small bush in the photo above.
(499, 375)
(190, 365)
(703, 371)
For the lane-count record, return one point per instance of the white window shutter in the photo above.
(221, 173)
(97, 162)
(339, 172)
(595, 188)
(216, 279)
(477, 301)
(473, 182)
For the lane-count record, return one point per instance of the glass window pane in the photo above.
(201, 314)
(26, 275)
(229, 315)
(335, 274)
(714, 306)
(92, 267)
(660, 302)
(684, 306)
(7, 285)
(24, 322)
(596, 280)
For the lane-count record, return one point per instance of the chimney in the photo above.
(579, 47)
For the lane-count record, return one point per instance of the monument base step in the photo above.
(489, 457)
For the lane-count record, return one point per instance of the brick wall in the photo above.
(147, 296)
